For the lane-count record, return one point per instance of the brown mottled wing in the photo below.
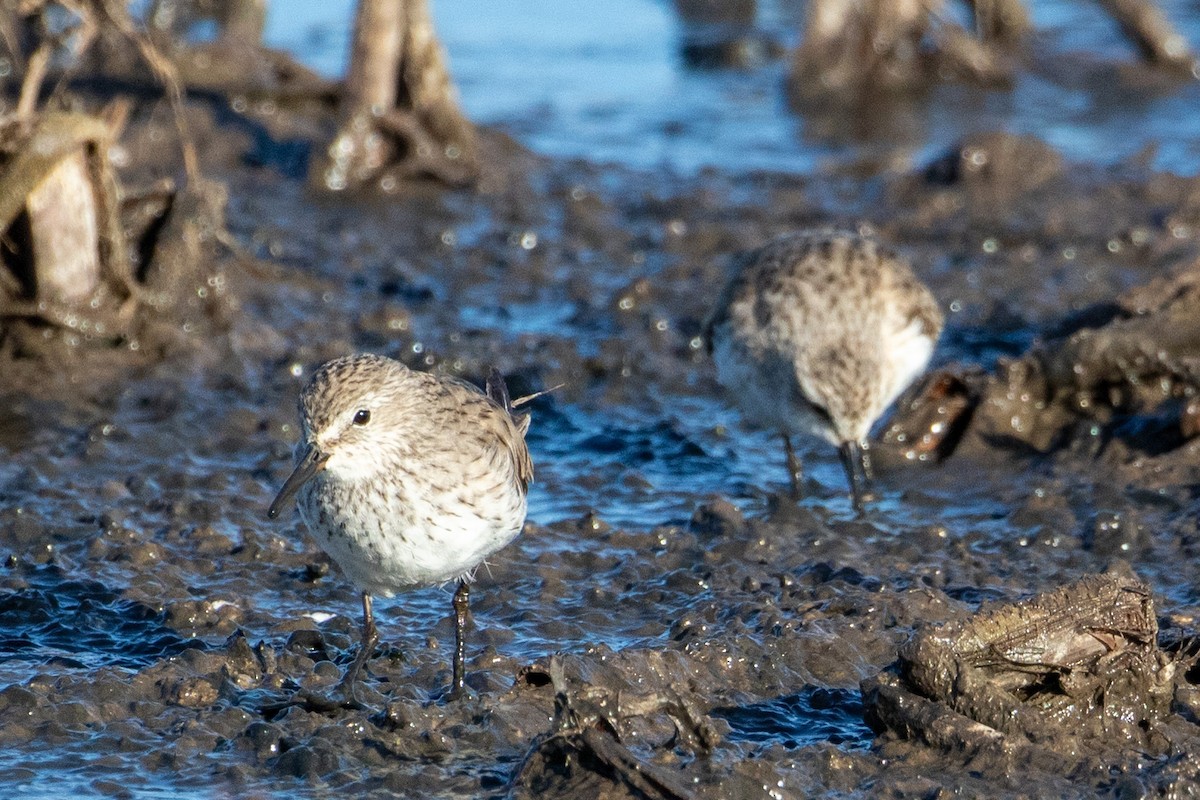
(506, 428)
(520, 454)
(739, 265)
(497, 392)
(923, 306)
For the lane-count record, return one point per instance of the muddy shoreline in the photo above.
(155, 624)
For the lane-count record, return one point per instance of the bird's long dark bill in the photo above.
(310, 464)
(856, 462)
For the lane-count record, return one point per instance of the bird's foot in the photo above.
(456, 694)
(347, 692)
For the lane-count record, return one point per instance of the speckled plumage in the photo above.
(404, 478)
(818, 332)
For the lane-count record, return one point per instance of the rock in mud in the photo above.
(1123, 370)
(1073, 677)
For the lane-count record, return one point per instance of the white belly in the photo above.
(391, 542)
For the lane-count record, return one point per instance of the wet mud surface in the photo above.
(669, 623)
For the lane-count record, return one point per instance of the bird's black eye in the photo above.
(362, 417)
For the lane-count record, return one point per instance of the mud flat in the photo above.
(667, 626)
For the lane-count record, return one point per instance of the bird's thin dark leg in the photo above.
(370, 638)
(857, 466)
(793, 466)
(462, 603)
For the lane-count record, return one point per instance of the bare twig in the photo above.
(1150, 30)
(31, 83)
(116, 13)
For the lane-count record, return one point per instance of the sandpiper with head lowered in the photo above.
(407, 479)
(817, 333)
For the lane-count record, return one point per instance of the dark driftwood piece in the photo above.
(845, 43)
(880, 46)
(399, 113)
(876, 46)
(72, 238)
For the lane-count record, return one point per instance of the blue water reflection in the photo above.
(606, 82)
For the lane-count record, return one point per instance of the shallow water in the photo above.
(609, 82)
